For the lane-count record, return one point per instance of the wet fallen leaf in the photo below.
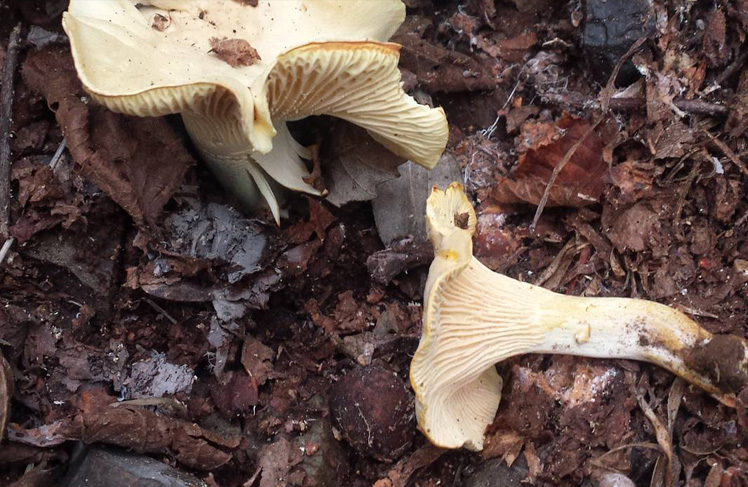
(147, 432)
(235, 394)
(400, 207)
(350, 314)
(404, 470)
(439, 69)
(715, 39)
(319, 220)
(737, 122)
(138, 162)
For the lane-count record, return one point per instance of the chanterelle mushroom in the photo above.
(237, 72)
(474, 318)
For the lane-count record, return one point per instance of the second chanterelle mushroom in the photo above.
(474, 318)
(237, 72)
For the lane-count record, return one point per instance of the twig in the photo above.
(58, 155)
(695, 107)
(607, 93)
(702, 107)
(725, 149)
(557, 170)
(4, 250)
(6, 113)
(161, 310)
(732, 68)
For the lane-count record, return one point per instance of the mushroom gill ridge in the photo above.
(474, 317)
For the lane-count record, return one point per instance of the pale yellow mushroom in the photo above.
(318, 57)
(475, 318)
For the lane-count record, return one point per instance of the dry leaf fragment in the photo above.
(160, 22)
(257, 359)
(715, 39)
(235, 52)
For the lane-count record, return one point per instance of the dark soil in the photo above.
(142, 309)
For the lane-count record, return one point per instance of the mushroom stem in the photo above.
(626, 328)
(475, 318)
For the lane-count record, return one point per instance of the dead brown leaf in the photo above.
(737, 122)
(138, 162)
(160, 22)
(257, 359)
(276, 460)
(439, 69)
(147, 432)
(404, 470)
(44, 200)
(319, 220)
(715, 34)
(235, 394)
(349, 315)
(579, 183)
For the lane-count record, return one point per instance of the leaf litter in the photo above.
(139, 282)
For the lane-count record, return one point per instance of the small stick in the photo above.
(725, 149)
(161, 310)
(6, 114)
(58, 154)
(732, 68)
(607, 93)
(696, 107)
(4, 250)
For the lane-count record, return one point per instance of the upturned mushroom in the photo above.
(236, 73)
(474, 318)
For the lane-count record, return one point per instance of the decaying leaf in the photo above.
(715, 39)
(276, 460)
(582, 180)
(400, 207)
(138, 162)
(404, 470)
(144, 431)
(356, 164)
(257, 359)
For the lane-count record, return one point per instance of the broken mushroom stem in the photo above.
(475, 318)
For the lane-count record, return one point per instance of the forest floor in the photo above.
(227, 344)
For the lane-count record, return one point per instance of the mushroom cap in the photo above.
(321, 57)
(456, 386)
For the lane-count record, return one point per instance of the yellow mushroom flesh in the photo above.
(475, 318)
